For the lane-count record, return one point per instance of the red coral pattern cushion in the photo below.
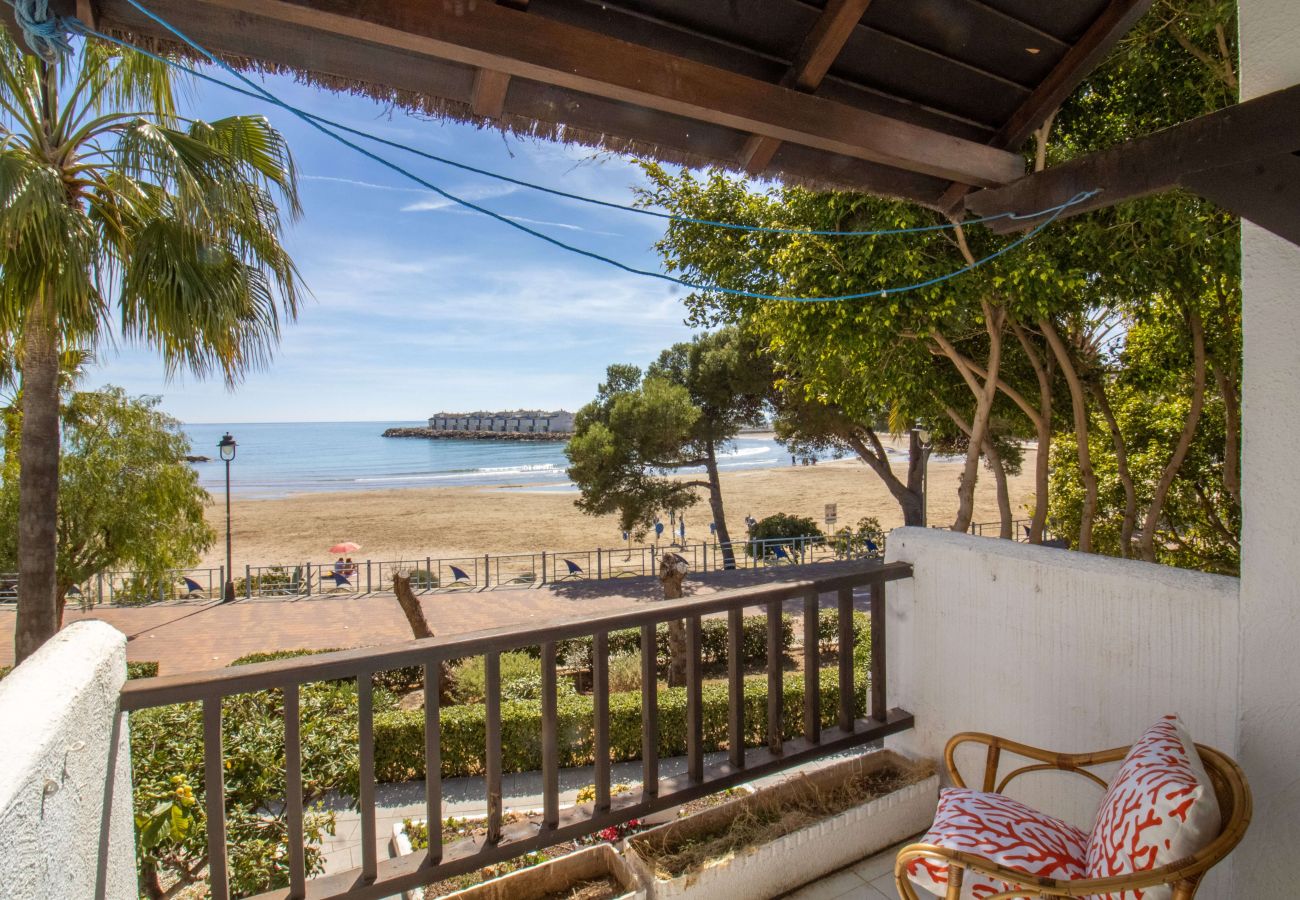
(1002, 831)
(1160, 808)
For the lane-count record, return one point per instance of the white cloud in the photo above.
(370, 185)
(434, 202)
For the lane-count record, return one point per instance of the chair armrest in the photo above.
(1044, 759)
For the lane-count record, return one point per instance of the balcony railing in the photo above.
(383, 878)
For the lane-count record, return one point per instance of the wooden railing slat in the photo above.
(694, 701)
(214, 788)
(293, 793)
(550, 758)
(492, 753)
(775, 679)
(878, 701)
(366, 793)
(735, 688)
(433, 758)
(847, 687)
(649, 712)
(812, 689)
(600, 704)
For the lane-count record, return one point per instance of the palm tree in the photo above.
(114, 208)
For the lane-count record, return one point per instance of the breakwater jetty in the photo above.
(442, 434)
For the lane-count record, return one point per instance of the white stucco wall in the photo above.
(1056, 649)
(1269, 739)
(60, 737)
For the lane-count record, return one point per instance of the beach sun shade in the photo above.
(345, 547)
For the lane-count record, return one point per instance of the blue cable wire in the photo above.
(319, 126)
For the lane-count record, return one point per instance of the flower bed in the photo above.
(789, 834)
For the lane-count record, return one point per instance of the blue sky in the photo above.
(419, 305)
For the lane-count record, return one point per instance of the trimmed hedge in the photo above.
(142, 669)
(713, 642)
(395, 680)
(399, 734)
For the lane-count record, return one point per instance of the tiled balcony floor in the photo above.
(870, 879)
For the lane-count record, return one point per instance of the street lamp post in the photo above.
(926, 441)
(227, 447)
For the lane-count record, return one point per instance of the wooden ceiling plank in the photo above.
(1113, 23)
(492, 37)
(1258, 129)
(1106, 30)
(815, 57)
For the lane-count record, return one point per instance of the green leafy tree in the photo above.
(109, 201)
(689, 405)
(127, 498)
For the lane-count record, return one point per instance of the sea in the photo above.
(276, 459)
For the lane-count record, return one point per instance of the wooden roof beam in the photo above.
(488, 36)
(489, 97)
(1234, 157)
(820, 48)
(1112, 24)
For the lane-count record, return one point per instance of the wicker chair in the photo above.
(1184, 876)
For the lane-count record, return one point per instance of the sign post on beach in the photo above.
(830, 514)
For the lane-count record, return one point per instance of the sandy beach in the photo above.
(461, 521)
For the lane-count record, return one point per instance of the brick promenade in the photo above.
(198, 635)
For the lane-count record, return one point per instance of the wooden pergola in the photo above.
(924, 100)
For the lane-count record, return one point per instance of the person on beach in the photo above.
(338, 566)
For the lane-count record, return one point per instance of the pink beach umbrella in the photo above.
(345, 547)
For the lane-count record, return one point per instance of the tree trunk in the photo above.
(1007, 530)
(38, 482)
(1043, 432)
(1079, 403)
(908, 496)
(411, 607)
(420, 629)
(1147, 539)
(1129, 523)
(715, 506)
(993, 318)
(913, 501)
(672, 572)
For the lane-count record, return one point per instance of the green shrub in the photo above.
(396, 681)
(783, 530)
(469, 684)
(625, 672)
(576, 652)
(399, 734)
(423, 580)
(828, 629)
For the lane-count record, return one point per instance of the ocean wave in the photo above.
(531, 469)
(745, 451)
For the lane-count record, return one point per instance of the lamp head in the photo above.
(227, 447)
(923, 434)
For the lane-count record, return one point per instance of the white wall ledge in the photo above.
(66, 826)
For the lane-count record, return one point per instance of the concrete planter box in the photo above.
(541, 880)
(801, 856)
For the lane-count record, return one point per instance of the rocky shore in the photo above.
(430, 434)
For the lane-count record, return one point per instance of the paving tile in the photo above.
(885, 884)
(874, 867)
(840, 884)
